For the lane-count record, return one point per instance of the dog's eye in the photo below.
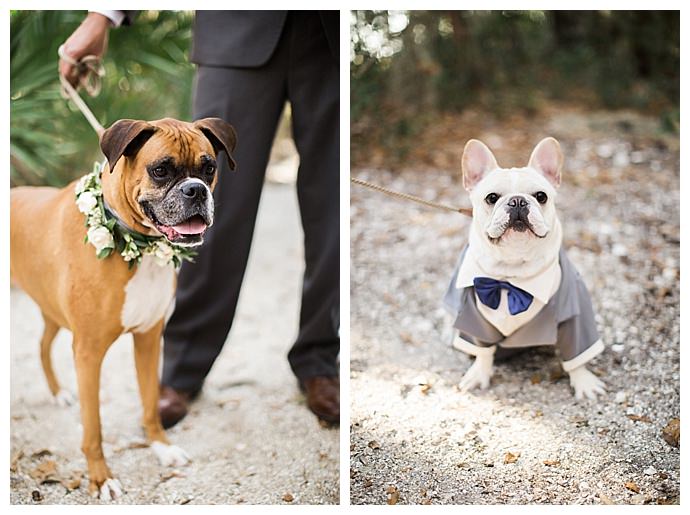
(492, 198)
(210, 169)
(541, 197)
(159, 172)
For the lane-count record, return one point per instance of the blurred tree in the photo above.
(435, 62)
(148, 76)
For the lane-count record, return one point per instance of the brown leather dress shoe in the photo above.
(323, 397)
(172, 405)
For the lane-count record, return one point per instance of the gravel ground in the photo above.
(251, 438)
(415, 439)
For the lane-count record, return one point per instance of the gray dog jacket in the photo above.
(566, 321)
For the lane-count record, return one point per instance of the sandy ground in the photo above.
(250, 435)
(415, 439)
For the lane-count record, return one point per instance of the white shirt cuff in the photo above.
(588, 354)
(470, 348)
(115, 17)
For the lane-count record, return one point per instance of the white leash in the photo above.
(91, 73)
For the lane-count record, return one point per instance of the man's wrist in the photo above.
(114, 18)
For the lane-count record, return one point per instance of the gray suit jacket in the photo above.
(566, 321)
(247, 39)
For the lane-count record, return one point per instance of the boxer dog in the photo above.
(514, 285)
(156, 186)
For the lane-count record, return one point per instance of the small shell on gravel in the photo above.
(671, 432)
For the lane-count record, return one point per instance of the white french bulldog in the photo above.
(515, 238)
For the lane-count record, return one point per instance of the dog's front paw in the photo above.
(586, 384)
(479, 375)
(170, 455)
(107, 490)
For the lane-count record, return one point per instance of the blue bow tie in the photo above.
(489, 292)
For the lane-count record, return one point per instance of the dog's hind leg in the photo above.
(62, 397)
(50, 329)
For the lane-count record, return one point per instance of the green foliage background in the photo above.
(506, 62)
(148, 76)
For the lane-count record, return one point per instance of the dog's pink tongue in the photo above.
(194, 225)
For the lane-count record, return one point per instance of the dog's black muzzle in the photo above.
(518, 209)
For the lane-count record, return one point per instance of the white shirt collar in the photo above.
(540, 285)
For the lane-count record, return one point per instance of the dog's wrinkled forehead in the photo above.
(513, 181)
(479, 164)
(177, 144)
(129, 138)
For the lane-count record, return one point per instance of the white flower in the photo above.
(130, 251)
(100, 238)
(95, 218)
(129, 254)
(81, 184)
(86, 202)
(163, 253)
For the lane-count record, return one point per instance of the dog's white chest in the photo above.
(148, 295)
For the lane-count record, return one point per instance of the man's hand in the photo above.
(90, 38)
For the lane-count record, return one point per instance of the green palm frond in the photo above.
(148, 76)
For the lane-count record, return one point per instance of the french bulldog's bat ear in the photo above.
(124, 138)
(547, 158)
(477, 161)
(221, 135)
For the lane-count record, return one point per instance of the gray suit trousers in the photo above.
(302, 71)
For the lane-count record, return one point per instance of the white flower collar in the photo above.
(107, 234)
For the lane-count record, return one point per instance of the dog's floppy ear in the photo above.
(477, 161)
(221, 135)
(547, 158)
(124, 138)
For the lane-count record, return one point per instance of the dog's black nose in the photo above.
(518, 201)
(193, 190)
